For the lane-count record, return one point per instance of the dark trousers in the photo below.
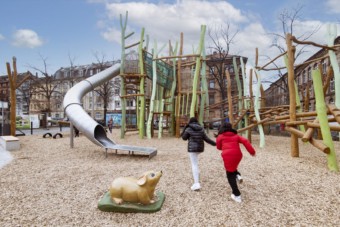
(231, 176)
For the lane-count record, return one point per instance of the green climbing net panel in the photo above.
(164, 71)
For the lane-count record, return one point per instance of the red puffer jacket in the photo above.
(231, 154)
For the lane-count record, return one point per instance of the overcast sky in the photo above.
(55, 30)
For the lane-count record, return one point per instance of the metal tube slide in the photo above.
(78, 116)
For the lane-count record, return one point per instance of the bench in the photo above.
(10, 143)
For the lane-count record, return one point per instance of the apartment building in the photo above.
(43, 95)
(278, 93)
(51, 97)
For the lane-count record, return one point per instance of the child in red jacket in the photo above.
(228, 141)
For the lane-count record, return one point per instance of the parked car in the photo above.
(335, 136)
(216, 125)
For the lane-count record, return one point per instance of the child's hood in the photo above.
(195, 126)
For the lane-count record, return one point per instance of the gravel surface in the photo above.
(50, 184)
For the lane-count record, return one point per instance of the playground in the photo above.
(58, 181)
(50, 184)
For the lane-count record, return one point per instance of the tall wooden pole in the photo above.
(12, 82)
(292, 96)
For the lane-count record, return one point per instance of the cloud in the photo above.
(333, 6)
(26, 38)
(2, 37)
(165, 22)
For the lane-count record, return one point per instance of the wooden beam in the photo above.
(319, 145)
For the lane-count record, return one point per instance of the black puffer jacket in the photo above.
(196, 135)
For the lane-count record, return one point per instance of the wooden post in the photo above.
(309, 133)
(292, 100)
(321, 146)
(12, 82)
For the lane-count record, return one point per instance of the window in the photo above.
(331, 85)
(309, 74)
(98, 115)
(211, 83)
(117, 103)
(129, 103)
(211, 99)
(99, 105)
(311, 91)
(116, 92)
(324, 66)
(304, 77)
(212, 70)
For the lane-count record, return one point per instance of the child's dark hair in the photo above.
(191, 120)
(226, 127)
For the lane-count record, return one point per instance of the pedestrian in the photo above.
(228, 141)
(110, 125)
(194, 132)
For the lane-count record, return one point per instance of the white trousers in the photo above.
(194, 166)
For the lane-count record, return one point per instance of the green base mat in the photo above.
(106, 204)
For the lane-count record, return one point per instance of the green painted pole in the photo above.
(122, 85)
(173, 90)
(153, 93)
(197, 72)
(204, 89)
(256, 108)
(239, 88)
(244, 95)
(160, 123)
(332, 34)
(321, 110)
(142, 88)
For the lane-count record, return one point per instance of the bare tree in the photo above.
(106, 90)
(26, 90)
(222, 38)
(288, 20)
(46, 86)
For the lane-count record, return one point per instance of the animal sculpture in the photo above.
(135, 190)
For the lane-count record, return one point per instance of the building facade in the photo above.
(278, 93)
